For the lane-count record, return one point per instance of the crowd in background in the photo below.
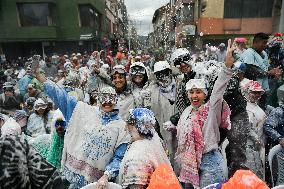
(71, 120)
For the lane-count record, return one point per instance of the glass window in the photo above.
(86, 16)
(35, 14)
(108, 25)
(188, 12)
(89, 17)
(247, 9)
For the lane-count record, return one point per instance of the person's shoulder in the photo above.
(118, 122)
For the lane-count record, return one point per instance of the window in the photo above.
(188, 12)
(86, 16)
(248, 9)
(108, 25)
(35, 14)
(89, 17)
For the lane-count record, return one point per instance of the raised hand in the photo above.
(229, 60)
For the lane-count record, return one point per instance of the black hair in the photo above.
(260, 36)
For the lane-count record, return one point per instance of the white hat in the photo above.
(11, 127)
(161, 65)
(196, 84)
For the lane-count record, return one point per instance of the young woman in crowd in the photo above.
(198, 131)
(144, 154)
(125, 98)
(40, 121)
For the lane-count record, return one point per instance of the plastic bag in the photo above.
(164, 178)
(245, 179)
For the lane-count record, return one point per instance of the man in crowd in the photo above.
(10, 101)
(257, 64)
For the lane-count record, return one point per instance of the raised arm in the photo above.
(59, 96)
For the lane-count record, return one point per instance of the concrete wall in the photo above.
(214, 9)
(220, 26)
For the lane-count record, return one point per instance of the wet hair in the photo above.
(260, 36)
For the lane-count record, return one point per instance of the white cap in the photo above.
(161, 65)
(196, 84)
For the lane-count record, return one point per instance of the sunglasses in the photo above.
(41, 106)
(59, 123)
(137, 70)
(118, 70)
(163, 73)
(10, 89)
(107, 98)
(184, 58)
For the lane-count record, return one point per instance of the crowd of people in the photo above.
(71, 120)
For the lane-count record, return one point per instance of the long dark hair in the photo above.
(45, 119)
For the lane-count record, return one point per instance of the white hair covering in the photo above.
(196, 84)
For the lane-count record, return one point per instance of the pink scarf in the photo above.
(191, 145)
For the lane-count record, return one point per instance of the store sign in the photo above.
(189, 29)
(86, 37)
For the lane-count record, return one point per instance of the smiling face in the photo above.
(196, 97)
(119, 81)
(107, 107)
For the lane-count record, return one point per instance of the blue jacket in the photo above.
(274, 124)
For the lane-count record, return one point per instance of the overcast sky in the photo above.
(142, 11)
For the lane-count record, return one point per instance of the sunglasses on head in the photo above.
(10, 89)
(40, 106)
(137, 70)
(163, 73)
(184, 58)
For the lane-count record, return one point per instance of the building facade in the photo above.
(215, 21)
(47, 26)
